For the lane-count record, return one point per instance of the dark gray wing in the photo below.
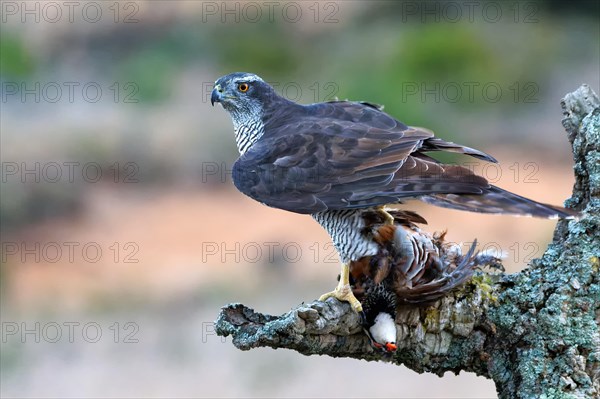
(343, 155)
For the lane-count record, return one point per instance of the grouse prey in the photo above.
(334, 159)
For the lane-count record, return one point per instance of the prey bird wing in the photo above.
(346, 155)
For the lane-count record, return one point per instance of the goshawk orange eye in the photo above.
(243, 87)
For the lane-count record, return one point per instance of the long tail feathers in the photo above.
(498, 201)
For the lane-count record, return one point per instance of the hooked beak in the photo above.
(215, 96)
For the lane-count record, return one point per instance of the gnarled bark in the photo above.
(535, 333)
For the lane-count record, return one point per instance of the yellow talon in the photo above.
(389, 219)
(344, 294)
(343, 291)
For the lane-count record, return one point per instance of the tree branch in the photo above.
(534, 333)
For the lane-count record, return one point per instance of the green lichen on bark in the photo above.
(535, 333)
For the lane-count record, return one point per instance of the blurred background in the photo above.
(122, 233)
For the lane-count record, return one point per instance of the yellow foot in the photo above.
(344, 293)
(388, 218)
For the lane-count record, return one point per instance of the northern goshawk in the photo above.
(335, 159)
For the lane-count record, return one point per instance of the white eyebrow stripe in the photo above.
(248, 78)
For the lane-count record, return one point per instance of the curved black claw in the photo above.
(363, 319)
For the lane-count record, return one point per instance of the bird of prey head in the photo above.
(240, 93)
(247, 98)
